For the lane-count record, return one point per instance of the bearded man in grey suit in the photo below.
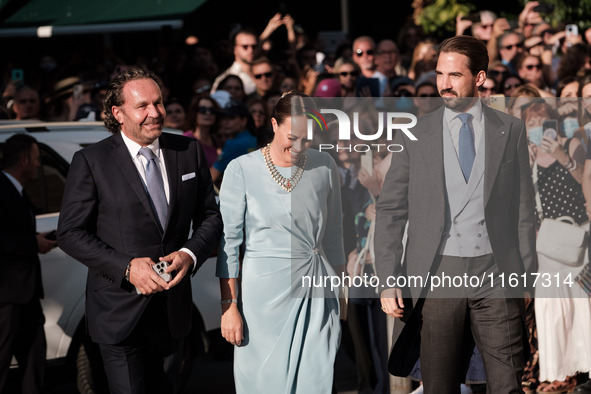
(465, 189)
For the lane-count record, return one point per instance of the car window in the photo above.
(46, 191)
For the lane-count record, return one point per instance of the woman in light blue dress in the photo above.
(284, 202)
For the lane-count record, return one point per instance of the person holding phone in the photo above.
(548, 145)
(557, 173)
(132, 200)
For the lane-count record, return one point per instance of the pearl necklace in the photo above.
(288, 184)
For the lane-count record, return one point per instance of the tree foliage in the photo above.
(438, 17)
(570, 11)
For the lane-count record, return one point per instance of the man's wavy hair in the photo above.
(473, 48)
(114, 95)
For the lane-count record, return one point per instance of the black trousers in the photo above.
(22, 336)
(149, 359)
(367, 324)
(494, 321)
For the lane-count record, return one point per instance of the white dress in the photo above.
(563, 313)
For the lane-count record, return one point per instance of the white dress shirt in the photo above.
(454, 124)
(16, 183)
(141, 162)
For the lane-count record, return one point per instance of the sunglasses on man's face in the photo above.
(246, 47)
(360, 52)
(266, 75)
(347, 73)
(205, 110)
(509, 47)
(532, 66)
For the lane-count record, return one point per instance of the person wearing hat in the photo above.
(68, 95)
(235, 125)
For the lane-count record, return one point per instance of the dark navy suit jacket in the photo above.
(107, 220)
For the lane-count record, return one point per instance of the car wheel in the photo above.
(90, 375)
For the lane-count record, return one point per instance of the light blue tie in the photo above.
(467, 153)
(155, 185)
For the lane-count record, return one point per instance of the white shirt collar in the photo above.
(475, 111)
(15, 182)
(134, 147)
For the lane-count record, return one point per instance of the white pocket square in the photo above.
(188, 176)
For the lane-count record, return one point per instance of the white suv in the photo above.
(64, 279)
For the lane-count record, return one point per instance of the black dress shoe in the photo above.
(584, 388)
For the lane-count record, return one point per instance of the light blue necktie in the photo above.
(155, 185)
(467, 153)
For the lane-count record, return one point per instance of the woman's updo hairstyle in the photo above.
(292, 104)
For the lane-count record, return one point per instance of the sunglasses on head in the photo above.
(486, 26)
(266, 75)
(205, 110)
(347, 73)
(532, 66)
(509, 47)
(360, 52)
(246, 46)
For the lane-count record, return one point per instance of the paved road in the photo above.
(212, 374)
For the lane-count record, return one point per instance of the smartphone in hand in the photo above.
(550, 128)
(52, 236)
